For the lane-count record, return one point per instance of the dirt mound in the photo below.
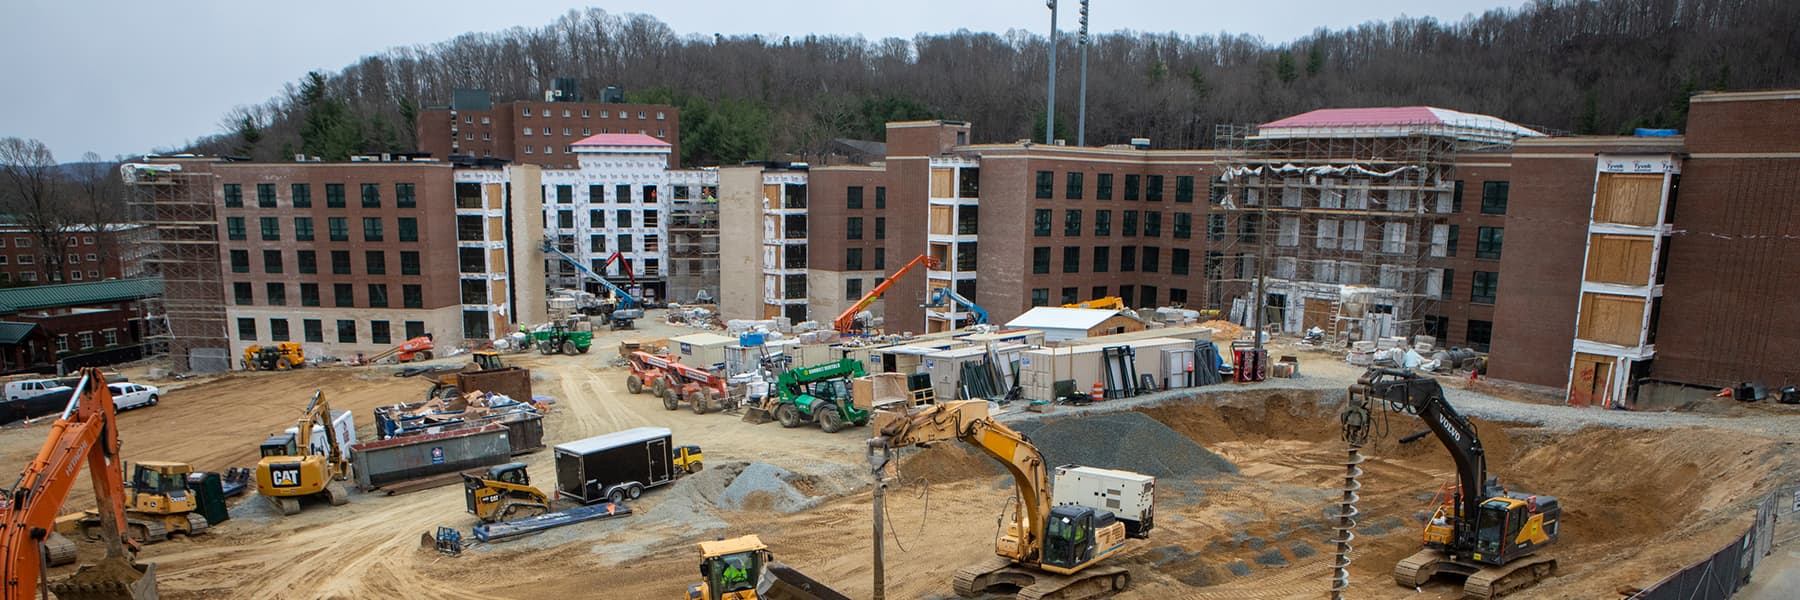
(1250, 416)
(1128, 441)
(761, 487)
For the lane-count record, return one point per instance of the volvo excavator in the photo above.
(1487, 533)
(86, 431)
(1047, 551)
(289, 471)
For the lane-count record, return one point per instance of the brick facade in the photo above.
(500, 131)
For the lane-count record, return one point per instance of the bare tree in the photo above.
(101, 206)
(33, 188)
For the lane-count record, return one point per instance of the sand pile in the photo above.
(1128, 441)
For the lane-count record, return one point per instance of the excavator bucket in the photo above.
(782, 582)
(110, 578)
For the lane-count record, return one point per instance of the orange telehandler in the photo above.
(86, 431)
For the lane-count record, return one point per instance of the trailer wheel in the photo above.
(634, 384)
(788, 415)
(670, 401)
(697, 400)
(617, 496)
(634, 491)
(829, 419)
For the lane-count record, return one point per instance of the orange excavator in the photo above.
(846, 321)
(87, 430)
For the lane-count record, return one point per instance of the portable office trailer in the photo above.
(587, 471)
(704, 350)
(946, 367)
(1041, 368)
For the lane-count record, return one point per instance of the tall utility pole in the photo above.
(1050, 109)
(1081, 112)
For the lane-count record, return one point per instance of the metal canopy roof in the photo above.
(1051, 317)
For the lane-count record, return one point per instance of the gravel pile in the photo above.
(762, 486)
(1129, 441)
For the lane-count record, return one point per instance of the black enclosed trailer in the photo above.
(616, 466)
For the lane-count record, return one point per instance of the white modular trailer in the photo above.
(1128, 496)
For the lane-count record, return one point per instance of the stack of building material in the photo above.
(1362, 353)
(1424, 343)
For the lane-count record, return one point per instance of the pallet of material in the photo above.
(494, 532)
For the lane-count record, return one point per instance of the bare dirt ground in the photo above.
(1638, 503)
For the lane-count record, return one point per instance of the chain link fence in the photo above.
(1719, 576)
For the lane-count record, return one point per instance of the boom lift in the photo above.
(845, 322)
(819, 393)
(86, 430)
(1482, 530)
(698, 387)
(1047, 551)
(289, 471)
(977, 314)
(418, 348)
(1106, 303)
(629, 308)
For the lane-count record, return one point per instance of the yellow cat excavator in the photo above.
(1482, 531)
(289, 471)
(1047, 552)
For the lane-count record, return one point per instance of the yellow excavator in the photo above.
(503, 493)
(289, 471)
(1047, 551)
(1487, 533)
(158, 502)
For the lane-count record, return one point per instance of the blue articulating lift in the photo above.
(630, 308)
(977, 314)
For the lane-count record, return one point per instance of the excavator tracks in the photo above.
(1413, 571)
(1092, 582)
(1483, 583)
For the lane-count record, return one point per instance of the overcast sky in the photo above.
(123, 78)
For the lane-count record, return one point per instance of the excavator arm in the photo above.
(969, 422)
(846, 321)
(86, 431)
(1407, 392)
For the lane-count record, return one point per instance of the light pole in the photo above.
(1081, 111)
(1050, 109)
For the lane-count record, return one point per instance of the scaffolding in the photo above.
(178, 203)
(1346, 230)
(694, 246)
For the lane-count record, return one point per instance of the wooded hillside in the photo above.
(1580, 66)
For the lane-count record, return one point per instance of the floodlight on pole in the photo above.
(1050, 103)
(1081, 112)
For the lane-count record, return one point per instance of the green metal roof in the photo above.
(13, 332)
(13, 300)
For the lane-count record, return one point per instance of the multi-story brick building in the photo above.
(540, 133)
(86, 254)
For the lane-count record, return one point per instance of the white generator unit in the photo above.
(343, 422)
(1129, 496)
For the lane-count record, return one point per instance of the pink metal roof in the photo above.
(622, 139)
(1355, 117)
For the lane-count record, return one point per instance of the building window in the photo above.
(240, 261)
(1103, 187)
(1177, 297)
(966, 255)
(1131, 187)
(371, 195)
(403, 195)
(1184, 225)
(1041, 222)
(1480, 334)
(375, 262)
(340, 262)
(1102, 223)
(853, 197)
(271, 228)
(343, 295)
(1071, 259)
(853, 229)
(1128, 224)
(1046, 185)
(271, 261)
(1040, 260)
(565, 219)
(1452, 239)
(1127, 259)
(1456, 208)
(265, 195)
(1040, 296)
(112, 337)
(1446, 288)
(853, 288)
(277, 293)
(1152, 258)
(334, 195)
(527, 131)
(1073, 191)
(409, 229)
(1152, 224)
(474, 291)
(622, 193)
(309, 294)
(1178, 262)
(378, 297)
(881, 227)
(303, 229)
(1493, 197)
(1184, 189)
(346, 331)
(313, 329)
(622, 218)
(565, 194)
(1102, 259)
(1153, 190)
(1487, 242)
(234, 228)
(415, 329)
(853, 259)
(378, 333)
(62, 341)
(240, 293)
(1484, 287)
(234, 195)
(409, 262)
(880, 259)
(880, 197)
(302, 195)
(246, 330)
(1071, 223)
(308, 261)
(338, 228)
(371, 229)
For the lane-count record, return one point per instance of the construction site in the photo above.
(1249, 481)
